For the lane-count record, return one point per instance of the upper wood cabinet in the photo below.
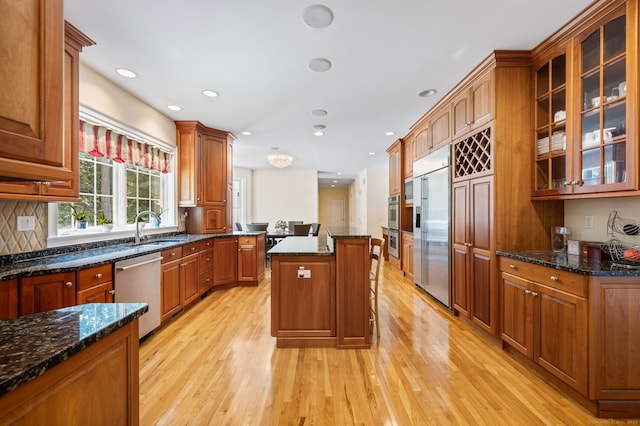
(408, 155)
(423, 139)
(585, 97)
(395, 168)
(440, 129)
(473, 106)
(205, 176)
(54, 189)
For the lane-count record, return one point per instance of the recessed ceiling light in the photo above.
(319, 126)
(318, 133)
(372, 153)
(389, 133)
(319, 112)
(126, 73)
(174, 107)
(317, 16)
(339, 173)
(246, 133)
(333, 186)
(275, 148)
(319, 65)
(427, 93)
(335, 181)
(210, 93)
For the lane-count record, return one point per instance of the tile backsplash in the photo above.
(12, 241)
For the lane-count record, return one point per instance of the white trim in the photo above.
(94, 234)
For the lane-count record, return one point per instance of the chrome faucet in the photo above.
(148, 212)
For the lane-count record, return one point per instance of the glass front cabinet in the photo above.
(585, 108)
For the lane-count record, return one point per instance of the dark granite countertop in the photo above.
(32, 344)
(72, 258)
(348, 232)
(301, 246)
(576, 264)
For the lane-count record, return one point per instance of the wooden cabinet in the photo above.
(170, 289)
(395, 168)
(225, 260)
(408, 155)
(95, 285)
(473, 106)
(545, 317)
(189, 279)
(42, 187)
(422, 140)
(614, 333)
(98, 386)
(440, 128)
(8, 299)
(475, 287)
(205, 269)
(407, 254)
(47, 292)
(251, 258)
(586, 100)
(303, 310)
(205, 177)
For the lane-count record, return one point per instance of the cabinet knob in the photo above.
(69, 284)
(554, 278)
(98, 276)
(207, 259)
(193, 248)
(468, 123)
(512, 266)
(527, 292)
(173, 253)
(112, 292)
(534, 294)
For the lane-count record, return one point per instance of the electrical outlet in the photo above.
(26, 223)
(304, 273)
(589, 221)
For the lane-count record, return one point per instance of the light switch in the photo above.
(589, 221)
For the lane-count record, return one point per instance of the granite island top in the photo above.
(72, 258)
(348, 232)
(301, 246)
(32, 344)
(576, 264)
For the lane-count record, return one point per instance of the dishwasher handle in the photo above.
(136, 265)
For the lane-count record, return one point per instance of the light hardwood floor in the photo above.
(217, 364)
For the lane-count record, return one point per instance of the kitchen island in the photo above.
(320, 290)
(77, 365)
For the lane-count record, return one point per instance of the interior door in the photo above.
(336, 218)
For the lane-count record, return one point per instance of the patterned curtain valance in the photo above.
(100, 141)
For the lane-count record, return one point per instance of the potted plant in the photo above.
(159, 212)
(79, 216)
(105, 223)
(281, 226)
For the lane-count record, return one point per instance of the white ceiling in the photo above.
(255, 53)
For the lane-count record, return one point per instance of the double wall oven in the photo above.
(394, 221)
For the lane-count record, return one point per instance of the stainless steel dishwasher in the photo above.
(138, 280)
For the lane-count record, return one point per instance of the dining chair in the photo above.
(375, 258)
(315, 229)
(301, 229)
(255, 227)
(294, 222)
(237, 226)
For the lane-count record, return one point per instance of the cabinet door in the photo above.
(214, 169)
(440, 130)
(394, 169)
(517, 313)
(408, 156)
(102, 293)
(31, 100)
(225, 260)
(460, 237)
(407, 254)
(8, 299)
(170, 289)
(189, 185)
(605, 156)
(247, 259)
(482, 101)
(562, 347)
(47, 292)
(422, 142)
(205, 269)
(189, 278)
(461, 113)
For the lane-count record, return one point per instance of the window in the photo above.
(119, 177)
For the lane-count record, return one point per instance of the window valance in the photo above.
(100, 141)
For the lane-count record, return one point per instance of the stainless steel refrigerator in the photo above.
(431, 224)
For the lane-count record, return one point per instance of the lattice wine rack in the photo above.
(473, 154)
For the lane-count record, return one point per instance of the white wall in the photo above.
(100, 95)
(576, 210)
(285, 195)
(246, 175)
(368, 198)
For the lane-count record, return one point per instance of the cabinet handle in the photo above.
(193, 248)
(554, 278)
(512, 266)
(98, 276)
(468, 123)
(207, 259)
(112, 292)
(69, 284)
(173, 253)
(534, 294)
(468, 245)
(527, 292)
